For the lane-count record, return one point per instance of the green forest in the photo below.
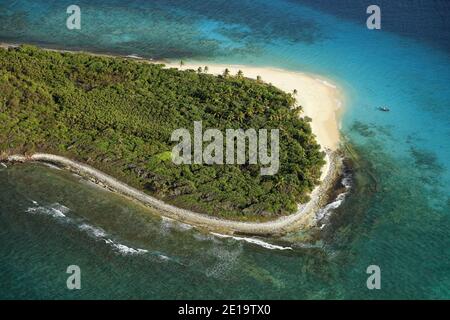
(118, 114)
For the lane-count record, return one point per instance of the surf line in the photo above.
(253, 241)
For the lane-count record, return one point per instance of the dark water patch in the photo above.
(425, 159)
(161, 29)
(256, 21)
(363, 129)
(417, 19)
(397, 215)
(176, 256)
(396, 227)
(370, 130)
(391, 225)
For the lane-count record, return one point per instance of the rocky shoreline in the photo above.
(304, 218)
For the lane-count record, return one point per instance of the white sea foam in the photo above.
(59, 211)
(326, 211)
(326, 83)
(123, 249)
(166, 225)
(206, 237)
(3, 165)
(163, 257)
(134, 56)
(99, 233)
(184, 226)
(94, 231)
(254, 241)
(169, 223)
(55, 210)
(52, 166)
(347, 181)
(34, 209)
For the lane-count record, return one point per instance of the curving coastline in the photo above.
(303, 218)
(321, 101)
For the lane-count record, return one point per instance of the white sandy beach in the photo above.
(319, 98)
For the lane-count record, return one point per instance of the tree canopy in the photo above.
(118, 114)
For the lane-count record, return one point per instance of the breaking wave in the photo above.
(52, 166)
(324, 213)
(135, 56)
(254, 241)
(93, 231)
(326, 83)
(123, 249)
(99, 233)
(59, 211)
(168, 224)
(55, 210)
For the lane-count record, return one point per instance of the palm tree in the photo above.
(206, 69)
(241, 116)
(258, 78)
(298, 111)
(280, 181)
(226, 72)
(240, 74)
(294, 92)
(181, 63)
(199, 70)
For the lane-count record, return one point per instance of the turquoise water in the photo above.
(397, 215)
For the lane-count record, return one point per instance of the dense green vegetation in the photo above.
(118, 114)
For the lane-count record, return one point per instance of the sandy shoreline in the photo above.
(320, 98)
(321, 101)
(303, 218)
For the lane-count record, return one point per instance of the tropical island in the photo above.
(115, 116)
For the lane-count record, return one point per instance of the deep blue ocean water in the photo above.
(397, 216)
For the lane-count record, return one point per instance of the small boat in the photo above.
(385, 109)
(3, 165)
